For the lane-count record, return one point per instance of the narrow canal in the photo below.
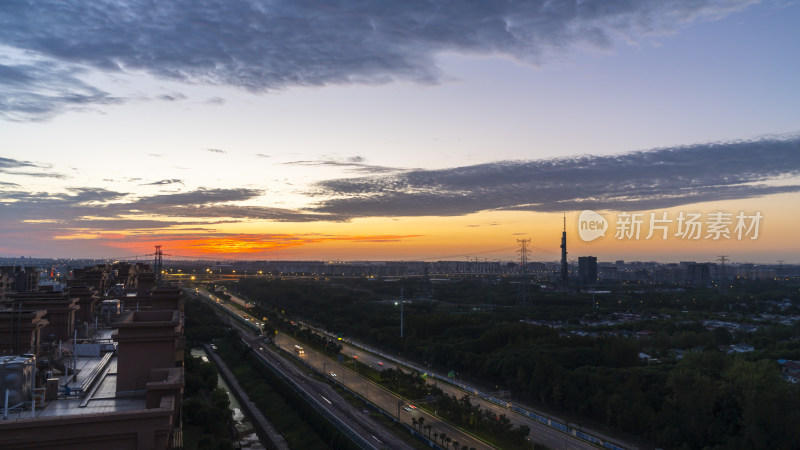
(247, 439)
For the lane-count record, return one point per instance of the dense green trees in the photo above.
(707, 399)
(206, 409)
(201, 325)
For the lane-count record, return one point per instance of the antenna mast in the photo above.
(523, 261)
(564, 267)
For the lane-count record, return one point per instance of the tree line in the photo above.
(707, 399)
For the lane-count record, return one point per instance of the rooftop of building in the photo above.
(99, 397)
(93, 390)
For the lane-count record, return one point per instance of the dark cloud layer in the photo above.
(80, 208)
(263, 46)
(633, 181)
(640, 180)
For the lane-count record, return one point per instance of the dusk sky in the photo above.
(396, 130)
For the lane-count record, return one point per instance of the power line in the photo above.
(462, 255)
(427, 258)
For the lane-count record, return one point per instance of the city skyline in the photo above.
(395, 132)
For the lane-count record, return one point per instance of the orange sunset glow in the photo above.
(487, 235)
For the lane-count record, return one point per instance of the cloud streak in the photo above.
(42, 89)
(163, 182)
(79, 208)
(245, 44)
(23, 168)
(639, 180)
(353, 163)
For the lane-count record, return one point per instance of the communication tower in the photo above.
(523, 262)
(564, 267)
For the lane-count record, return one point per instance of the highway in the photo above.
(356, 419)
(540, 433)
(359, 421)
(378, 395)
(389, 402)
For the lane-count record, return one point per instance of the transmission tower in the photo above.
(523, 262)
(158, 265)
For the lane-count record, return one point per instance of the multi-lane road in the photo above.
(540, 433)
(378, 395)
(391, 403)
(358, 420)
(328, 398)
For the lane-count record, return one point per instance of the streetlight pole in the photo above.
(401, 312)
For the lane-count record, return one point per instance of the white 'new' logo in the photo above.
(591, 225)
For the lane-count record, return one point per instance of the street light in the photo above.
(401, 312)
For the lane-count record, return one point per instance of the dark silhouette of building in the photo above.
(21, 331)
(587, 269)
(698, 275)
(60, 309)
(18, 279)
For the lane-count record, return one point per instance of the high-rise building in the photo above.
(609, 274)
(698, 275)
(587, 269)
